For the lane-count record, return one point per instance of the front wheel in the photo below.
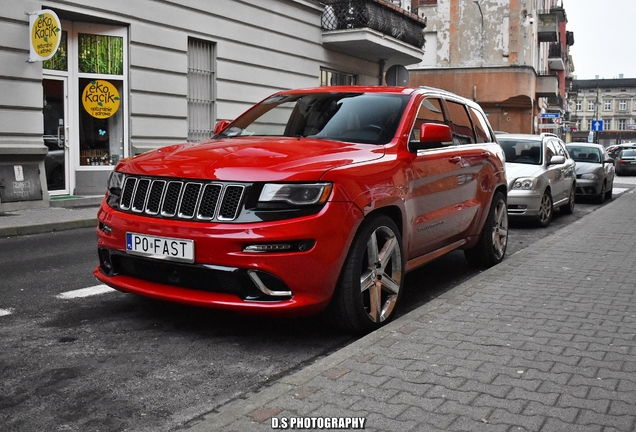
(372, 278)
(600, 198)
(494, 236)
(545, 210)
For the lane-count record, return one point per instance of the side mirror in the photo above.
(432, 135)
(556, 160)
(220, 126)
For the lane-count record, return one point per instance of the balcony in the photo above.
(373, 30)
(547, 86)
(548, 28)
(556, 57)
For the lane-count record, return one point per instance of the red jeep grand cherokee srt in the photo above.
(312, 200)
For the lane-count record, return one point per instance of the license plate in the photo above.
(172, 249)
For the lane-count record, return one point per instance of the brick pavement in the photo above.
(545, 341)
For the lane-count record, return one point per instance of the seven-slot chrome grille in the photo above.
(182, 199)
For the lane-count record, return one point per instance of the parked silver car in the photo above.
(541, 176)
(594, 171)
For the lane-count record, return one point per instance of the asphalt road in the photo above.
(114, 362)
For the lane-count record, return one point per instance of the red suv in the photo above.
(312, 200)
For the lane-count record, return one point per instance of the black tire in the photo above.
(494, 236)
(600, 198)
(608, 194)
(569, 207)
(546, 209)
(368, 292)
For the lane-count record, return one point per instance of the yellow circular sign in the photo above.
(100, 99)
(45, 34)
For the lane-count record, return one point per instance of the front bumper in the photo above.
(223, 275)
(524, 203)
(588, 187)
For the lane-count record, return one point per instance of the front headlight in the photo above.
(524, 183)
(113, 188)
(115, 182)
(589, 176)
(296, 194)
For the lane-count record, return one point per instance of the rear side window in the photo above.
(462, 126)
(481, 126)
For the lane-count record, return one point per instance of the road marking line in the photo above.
(85, 292)
(4, 312)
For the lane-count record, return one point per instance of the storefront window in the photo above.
(59, 61)
(101, 125)
(101, 54)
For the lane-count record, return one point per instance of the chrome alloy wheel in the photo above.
(382, 274)
(545, 209)
(500, 230)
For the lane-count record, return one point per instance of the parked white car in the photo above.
(541, 176)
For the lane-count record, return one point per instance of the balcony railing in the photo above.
(374, 14)
(556, 57)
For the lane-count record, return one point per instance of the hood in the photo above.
(587, 167)
(251, 159)
(516, 170)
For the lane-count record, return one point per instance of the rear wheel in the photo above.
(545, 210)
(494, 237)
(372, 278)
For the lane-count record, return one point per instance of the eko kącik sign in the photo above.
(45, 33)
(100, 99)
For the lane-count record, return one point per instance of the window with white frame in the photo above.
(607, 124)
(621, 124)
(589, 124)
(622, 104)
(333, 78)
(578, 106)
(200, 90)
(590, 105)
(607, 105)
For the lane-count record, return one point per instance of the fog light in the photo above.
(105, 261)
(105, 228)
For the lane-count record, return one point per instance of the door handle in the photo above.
(60, 137)
(455, 159)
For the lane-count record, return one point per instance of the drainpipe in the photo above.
(382, 66)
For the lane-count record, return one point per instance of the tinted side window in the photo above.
(462, 126)
(430, 112)
(481, 126)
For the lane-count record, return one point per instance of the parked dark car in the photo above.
(626, 161)
(594, 171)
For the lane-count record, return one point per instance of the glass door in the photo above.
(56, 162)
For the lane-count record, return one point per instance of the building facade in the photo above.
(510, 56)
(129, 77)
(605, 107)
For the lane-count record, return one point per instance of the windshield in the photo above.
(522, 151)
(585, 154)
(352, 117)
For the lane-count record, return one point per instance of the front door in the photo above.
(56, 162)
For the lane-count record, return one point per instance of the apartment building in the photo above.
(605, 107)
(84, 83)
(510, 56)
